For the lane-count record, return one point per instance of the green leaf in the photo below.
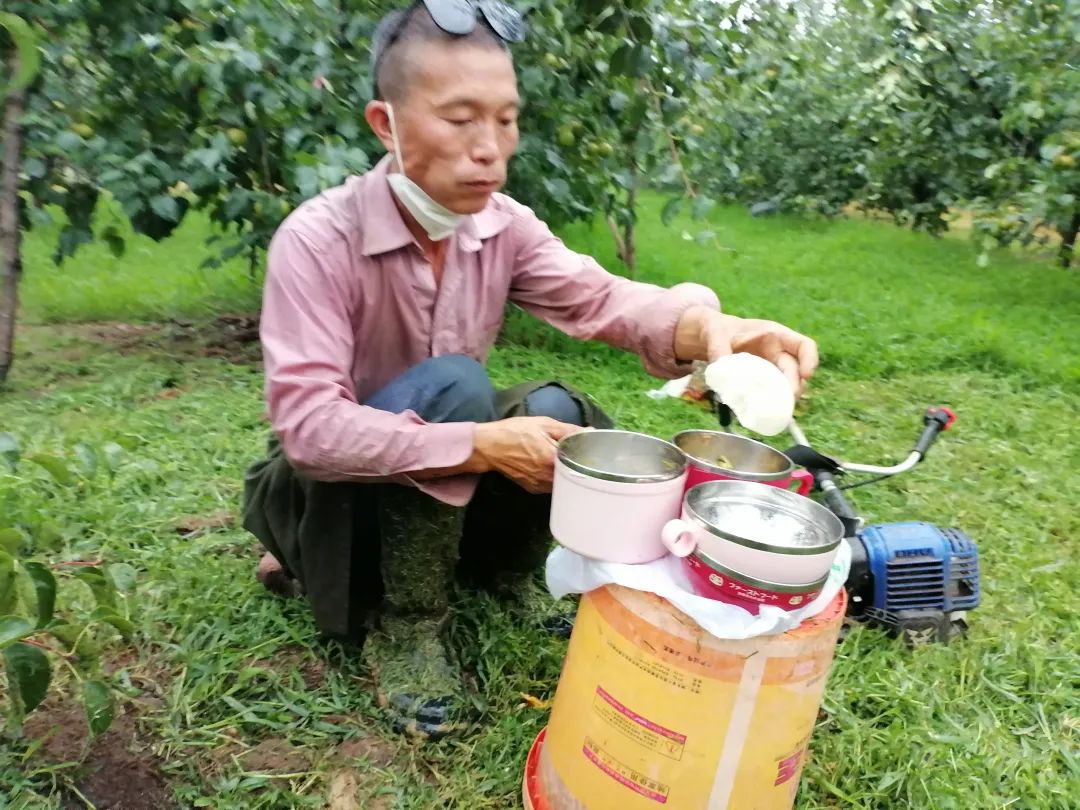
(9, 450)
(110, 616)
(1049, 151)
(26, 47)
(123, 577)
(29, 673)
(35, 168)
(250, 60)
(55, 467)
(166, 207)
(114, 454)
(72, 636)
(7, 583)
(70, 240)
(671, 210)
(14, 628)
(641, 28)
(11, 541)
(44, 589)
(69, 141)
(702, 206)
(307, 181)
(116, 243)
(87, 458)
(622, 60)
(209, 157)
(102, 587)
(100, 709)
(236, 205)
(48, 537)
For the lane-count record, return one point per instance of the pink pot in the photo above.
(613, 493)
(714, 581)
(717, 456)
(764, 533)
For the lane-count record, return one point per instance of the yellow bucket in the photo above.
(651, 711)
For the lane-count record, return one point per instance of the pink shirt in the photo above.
(350, 302)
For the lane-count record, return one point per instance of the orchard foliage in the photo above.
(913, 107)
(241, 110)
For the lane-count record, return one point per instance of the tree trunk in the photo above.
(10, 237)
(1068, 240)
(629, 245)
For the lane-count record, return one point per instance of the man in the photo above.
(395, 465)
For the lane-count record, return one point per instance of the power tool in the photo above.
(914, 579)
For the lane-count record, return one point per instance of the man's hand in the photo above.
(523, 449)
(705, 334)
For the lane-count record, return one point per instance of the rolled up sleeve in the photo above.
(308, 349)
(576, 295)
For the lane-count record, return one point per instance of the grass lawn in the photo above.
(232, 700)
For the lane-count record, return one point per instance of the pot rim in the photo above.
(698, 520)
(740, 474)
(761, 584)
(622, 478)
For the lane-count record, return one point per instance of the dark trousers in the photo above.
(326, 534)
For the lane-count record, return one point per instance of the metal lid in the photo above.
(763, 517)
(622, 456)
(760, 584)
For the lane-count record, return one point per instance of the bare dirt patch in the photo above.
(192, 525)
(119, 771)
(277, 756)
(234, 338)
(375, 751)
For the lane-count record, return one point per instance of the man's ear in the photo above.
(379, 120)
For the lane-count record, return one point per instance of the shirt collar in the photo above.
(384, 230)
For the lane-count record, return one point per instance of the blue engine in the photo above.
(915, 579)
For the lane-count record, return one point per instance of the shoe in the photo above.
(416, 682)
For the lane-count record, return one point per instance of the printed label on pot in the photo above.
(644, 732)
(623, 774)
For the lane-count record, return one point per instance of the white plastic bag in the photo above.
(569, 572)
(672, 388)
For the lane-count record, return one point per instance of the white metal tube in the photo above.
(913, 458)
(896, 469)
(796, 433)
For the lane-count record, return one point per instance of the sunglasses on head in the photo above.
(458, 17)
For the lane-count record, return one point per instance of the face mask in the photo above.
(437, 220)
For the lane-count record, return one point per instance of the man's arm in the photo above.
(577, 296)
(668, 328)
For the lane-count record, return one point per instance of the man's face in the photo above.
(458, 122)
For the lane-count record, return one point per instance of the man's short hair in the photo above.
(401, 30)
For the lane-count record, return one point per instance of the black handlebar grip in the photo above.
(936, 420)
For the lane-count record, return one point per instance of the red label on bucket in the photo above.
(623, 774)
(788, 769)
(637, 718)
